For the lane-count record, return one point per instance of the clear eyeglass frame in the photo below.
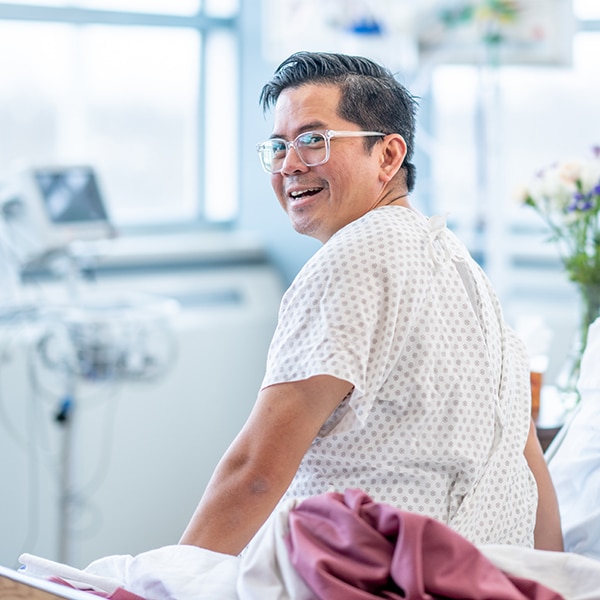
(274, 151)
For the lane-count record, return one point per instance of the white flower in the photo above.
(590, 175)
(567, 197)
(556, 190)
(521, 193)
(566, 193)
(570, 170)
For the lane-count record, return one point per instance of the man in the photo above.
(391, 369)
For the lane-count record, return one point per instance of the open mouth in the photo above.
(301, 194)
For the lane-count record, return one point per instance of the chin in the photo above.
(306, 227)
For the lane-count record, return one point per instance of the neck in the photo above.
(398, 198)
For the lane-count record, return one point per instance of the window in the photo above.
(494, 128)
(586, 9)
(180, 7)
(145, 92)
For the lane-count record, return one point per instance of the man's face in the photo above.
(321, 200)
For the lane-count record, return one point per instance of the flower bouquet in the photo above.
(567, 197)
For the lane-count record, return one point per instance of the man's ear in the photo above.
(393, 152)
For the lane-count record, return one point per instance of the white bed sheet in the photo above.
(181, 572)
(264, 571)
(574, 461)
(573, 576)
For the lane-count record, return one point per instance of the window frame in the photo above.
(204, 24)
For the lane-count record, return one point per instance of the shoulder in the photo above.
(382, 221)
(383, 243)
(378, 234)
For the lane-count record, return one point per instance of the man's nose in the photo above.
(292, 162)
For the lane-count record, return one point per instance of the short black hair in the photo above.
(371, 96)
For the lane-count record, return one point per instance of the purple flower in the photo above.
(581, 202)
(596, 151)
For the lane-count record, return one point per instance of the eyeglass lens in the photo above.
(312, 149)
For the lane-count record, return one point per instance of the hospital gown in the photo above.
(439, 414)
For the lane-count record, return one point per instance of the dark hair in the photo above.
(371, 97)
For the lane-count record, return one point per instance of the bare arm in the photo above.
(547, 534)
(261, 462)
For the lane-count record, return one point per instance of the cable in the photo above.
(76, 357)
(12, 329)
(82, 497)
(10, 427)
(33, 505)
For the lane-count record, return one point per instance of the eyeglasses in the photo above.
(312, 148)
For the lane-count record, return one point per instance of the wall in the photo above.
(260, 210)
(140, 452)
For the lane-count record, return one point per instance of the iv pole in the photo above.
(64, 417)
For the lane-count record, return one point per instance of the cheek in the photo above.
(342, 187)
(277, 185)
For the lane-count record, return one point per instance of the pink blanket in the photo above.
(348, 547)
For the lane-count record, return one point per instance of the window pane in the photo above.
(40, 2)
(542, 115)
(109, 96)
(177, 7)
(454, 154)
(586, 9)
(221, 8)
(586, 52)
(32, 88)
(221, 127)
(142, 93)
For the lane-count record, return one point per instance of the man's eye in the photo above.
(277, 147)
(311, 139)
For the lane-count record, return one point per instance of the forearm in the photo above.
(259, 466)
(548, 533)
(236, 503)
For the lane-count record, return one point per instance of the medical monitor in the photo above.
(61, 205)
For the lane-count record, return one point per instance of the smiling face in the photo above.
(321, 200)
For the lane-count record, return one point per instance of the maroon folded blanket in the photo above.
(348, 547)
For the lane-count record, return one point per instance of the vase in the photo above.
(589, 295)
(590, 304)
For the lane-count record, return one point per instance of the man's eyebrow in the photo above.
(319, 125)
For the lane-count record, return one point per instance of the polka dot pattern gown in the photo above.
(439, 414)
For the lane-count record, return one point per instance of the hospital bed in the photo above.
(287, 561)
(427, 561)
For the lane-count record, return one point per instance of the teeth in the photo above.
(308, 191)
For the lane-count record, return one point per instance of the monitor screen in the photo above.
(61, 204)
(70, 195)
